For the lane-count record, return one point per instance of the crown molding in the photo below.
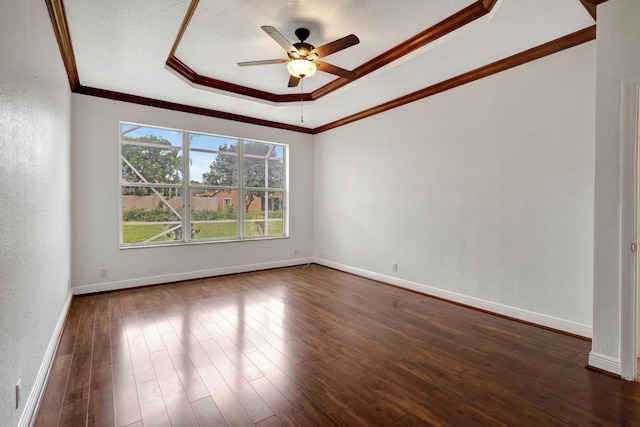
(194, 78)
(59, 22)
(454, 22)
(61, 31)
(458, 20)
(151, 102)
(538, 52)
(590, 5)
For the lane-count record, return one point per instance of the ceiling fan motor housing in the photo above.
(303, 48)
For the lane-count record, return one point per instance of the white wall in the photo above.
(96, 191)
(482, 194)
(618, 59)
(35, 104)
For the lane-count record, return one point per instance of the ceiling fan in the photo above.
(303, 57)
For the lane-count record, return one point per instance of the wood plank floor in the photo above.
(316, 347)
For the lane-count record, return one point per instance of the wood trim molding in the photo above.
(458, 20)
(549, 48)
(59, 21)
(183, 27)
(188, 74)
(591, 8)
(123, 97)
(590, 5)
(441, 29)
(538, 52)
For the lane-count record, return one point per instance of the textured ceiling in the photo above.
(122, 46)
(238, 37)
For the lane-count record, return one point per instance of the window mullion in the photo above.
(186, 191)
(241, 200)
(266, 192)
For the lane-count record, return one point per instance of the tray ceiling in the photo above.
(124, 47)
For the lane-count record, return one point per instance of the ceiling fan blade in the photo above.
(293, 81)
(334, 46)
(328, 68)
(280, 39)
(264, 62)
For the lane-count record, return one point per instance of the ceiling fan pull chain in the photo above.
(302, 100)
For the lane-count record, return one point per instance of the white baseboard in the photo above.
(32, 403)
(505, 310)
(168, 278)
(604, 362)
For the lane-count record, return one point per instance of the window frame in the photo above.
(185, 188)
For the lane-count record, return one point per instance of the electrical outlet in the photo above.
(394, 266)
(18, 386)
(103, 272)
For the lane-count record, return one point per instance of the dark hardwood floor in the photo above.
(316, 347)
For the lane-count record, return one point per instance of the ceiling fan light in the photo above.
(301, 68)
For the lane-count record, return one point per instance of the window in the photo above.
(217, 187)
